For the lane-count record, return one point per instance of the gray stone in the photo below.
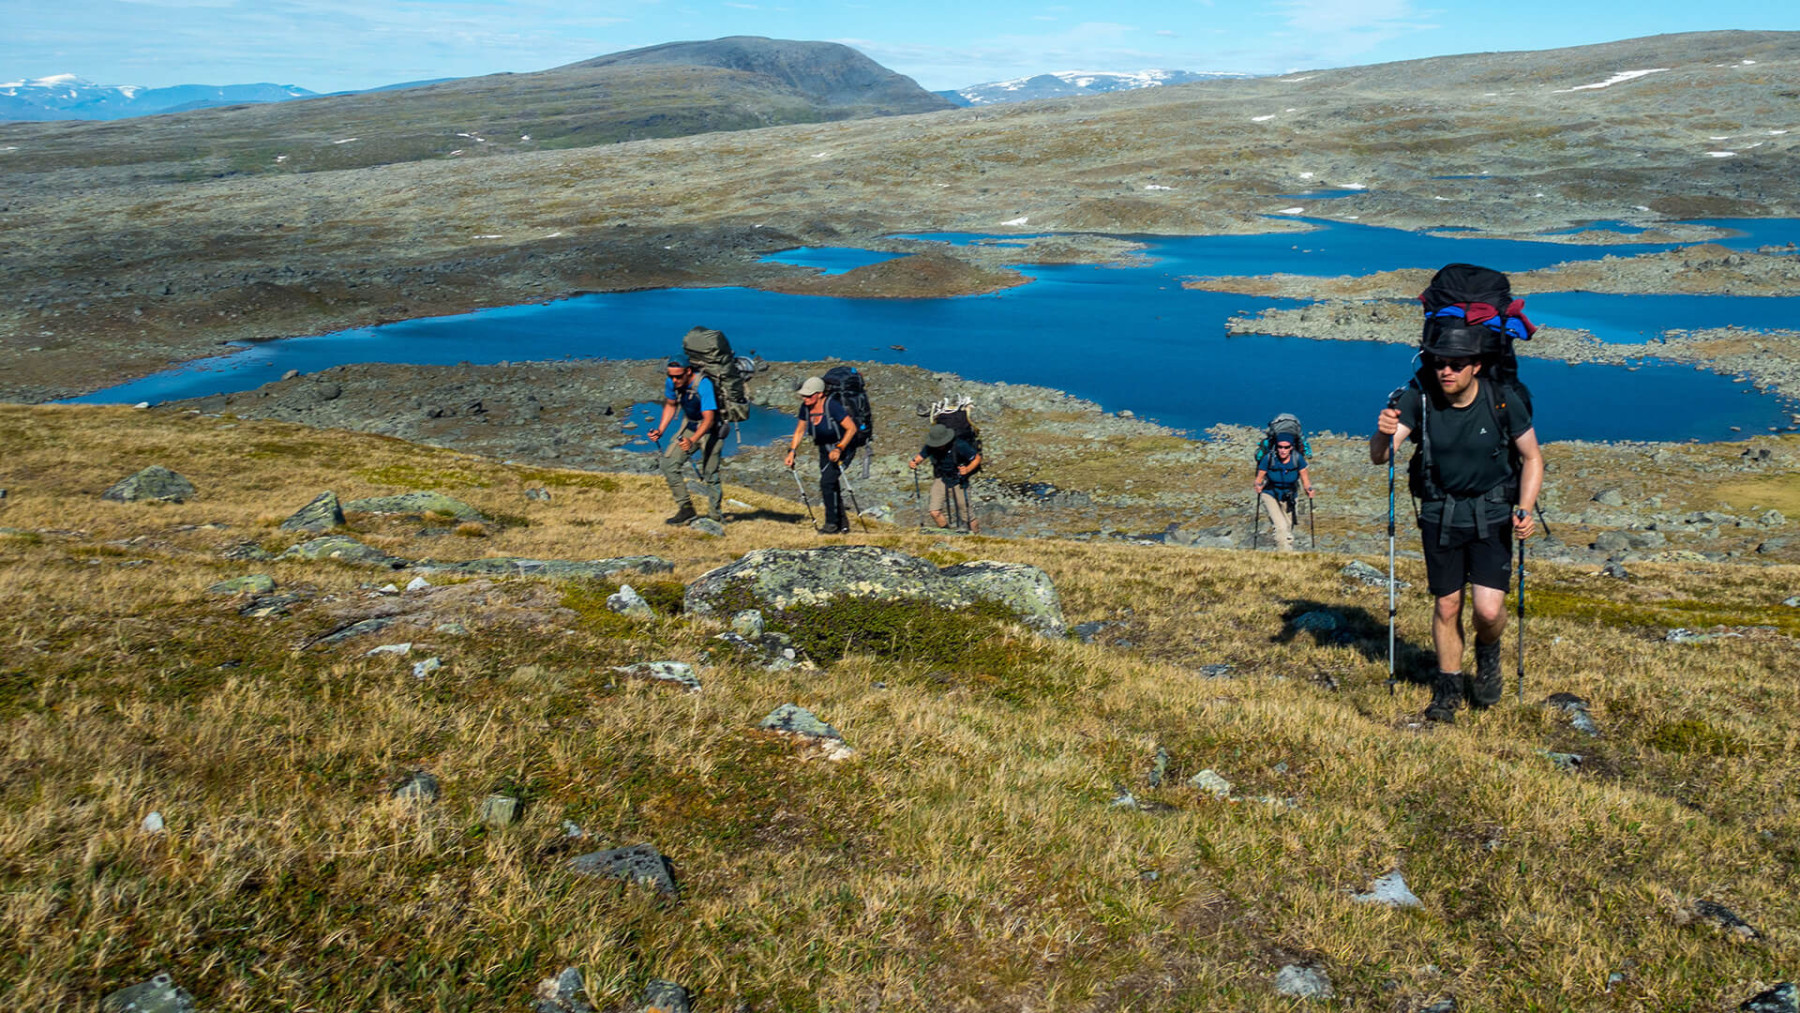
(322, 514)
(665, 997)
(158, 995)
(775, 652)
(1616, 571)
(1211, 783)
(1610, 497)
(247, 552)
(541, 496)
(1218, 670)
(1319, 621)
(1356, 569)
(1390, 890)
(796, 720)
(343, 549)
(155, 484)
(1303, 982)
(361, 628)
(1444, 1005)
(1793, 602)
(1783, 998)
(153, 824)
(748, 624)
(255, 583)
(416, 503)
(707, 526)
(290, 374)
(417, 584)
(565, 993)
(1582, 722)
(641, 864)
(451, 629)
(1724, 918)
(791, 578)
(419, 786)
(1566, 762)
(498, 810)
(627, 602)
(1646, 539)
(677, 672)
(555, 569)
(1772, 519)
(1158, 767)
(1611, 541)
(427, 668)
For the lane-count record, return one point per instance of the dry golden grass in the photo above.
(966, 858)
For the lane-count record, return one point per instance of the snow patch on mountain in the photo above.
(1072, 83)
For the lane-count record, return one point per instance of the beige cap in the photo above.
(813, 385)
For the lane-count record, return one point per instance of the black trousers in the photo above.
(830, 488)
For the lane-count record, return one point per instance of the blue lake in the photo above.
(1127, 337)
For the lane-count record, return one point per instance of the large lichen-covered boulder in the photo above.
(416, 503)
(155, 484)
(784, 579)
(343, 550)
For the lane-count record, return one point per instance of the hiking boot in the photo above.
(829, 529)
(682, 516)
(1487, 685)
(1446, 697)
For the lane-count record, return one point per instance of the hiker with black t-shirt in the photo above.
(833, 430)
(953, 460)
(1280, 475)
(702, 432)
(1477, 471)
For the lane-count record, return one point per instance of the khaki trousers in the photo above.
(1281, 520)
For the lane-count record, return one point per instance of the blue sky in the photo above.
(328, 45)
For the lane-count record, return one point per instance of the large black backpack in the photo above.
(954, 414)
(1285, 424)
(709, 351)
(844, 385)
(1461, 295)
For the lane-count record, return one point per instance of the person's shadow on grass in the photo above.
(1357, 628)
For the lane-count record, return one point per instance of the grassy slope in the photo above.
(965, 858)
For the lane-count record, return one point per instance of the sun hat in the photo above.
(813, 385)
(939, 435)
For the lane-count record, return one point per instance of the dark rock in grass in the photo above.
(796, 720)
(416, 503)
(1724, 918)
(357, 629)
(1611, 541)
(665, 997)
(641, 864)
(1566, 762)
(565, 993)
(1317, 621)
(1303, 982)
(321, 515)
(271, 606)
(1444, 1005)
(255, 583)
(627, 602)
(419, 786)
(790, 578)
(1577, 709)
(1616, 571)
(774, 652)
(155, 484)
(541, 496)
(1158, 767)
(158, 995)
(1218, 670)
(1780, 999)
(707, 526)
(512, 566)
(342, 549)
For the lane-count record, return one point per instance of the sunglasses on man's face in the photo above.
(1453, 365)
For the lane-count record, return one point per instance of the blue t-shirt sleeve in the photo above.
(709, 398)
(668, 388)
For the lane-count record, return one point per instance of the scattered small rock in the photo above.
(641, 864)
(400, 649)
(1610, 497)
(1568, 762)
(427, 668)
(1724, 918)
(1303, 982)
(1358, 570)
(707, 526)
(679, 672)
(417, 584)
(1780, 999)
(1211, 783)
(1390, 890)
(342, 549)
(1793, 602)
(451, 629)
(666, 997)
(1444, 1005)
(792, 719)
(418, 786)
(1318, 621)
(565, 993)
(158, 995)
(155, 484)
(540, 495)
(255, 583)
(1218, 670)
(1616, 571)
(389, 588)
(627, 602)
(1158, 767)
(153, 824)
(499, 810)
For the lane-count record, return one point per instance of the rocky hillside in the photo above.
(333, 721)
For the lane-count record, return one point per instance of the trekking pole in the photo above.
(1255, 519)
(1312, 520)
(1521, 620)
(1393, 608)
(803, 497)
(918, 504)
(844, 481)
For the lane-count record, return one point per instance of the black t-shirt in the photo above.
(1468, 453)
(831, 427)
(949, 457)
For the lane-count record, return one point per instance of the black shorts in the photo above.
(1468, 559)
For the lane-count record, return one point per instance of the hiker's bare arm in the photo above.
(969, 469)
(1388, 433)
(663, 426)
(692, 440)
(1262, 478)
(794, 445)
(1531, 480)
(1306, 479)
